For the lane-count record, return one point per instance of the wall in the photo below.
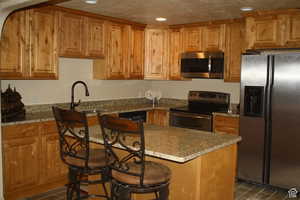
(71, 70)
(179, 89)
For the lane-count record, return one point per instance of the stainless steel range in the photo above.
(198, 113)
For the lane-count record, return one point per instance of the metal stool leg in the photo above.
(164, 193)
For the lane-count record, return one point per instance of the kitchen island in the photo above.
(203, 164)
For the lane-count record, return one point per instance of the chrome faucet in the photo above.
(73, 104)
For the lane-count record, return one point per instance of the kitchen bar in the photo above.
(203, 164)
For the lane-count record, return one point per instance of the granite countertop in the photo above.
(41, 116)
(176, 144)
(229, 114)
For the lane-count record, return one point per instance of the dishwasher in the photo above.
(135, 115)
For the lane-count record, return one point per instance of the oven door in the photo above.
(191, 120)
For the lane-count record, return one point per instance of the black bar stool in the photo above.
(130, 172)
(76, 153)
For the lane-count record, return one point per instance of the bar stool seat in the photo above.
(155, 173)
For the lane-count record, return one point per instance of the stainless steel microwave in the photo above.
(202, 65)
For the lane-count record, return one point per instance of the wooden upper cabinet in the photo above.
(80, 36)
(156, 55)
(95, 38)
(263, 32)
(116, 62)
(43, 37)
(273, 29)
(214, 37)
(192, 39)
(116, 51)
(29, 45)
(175, 50)
(292, 26)
(233, 51)
(13, 47)
(72, 35)
(137, 53)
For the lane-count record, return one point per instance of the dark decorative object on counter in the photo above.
(12, 108)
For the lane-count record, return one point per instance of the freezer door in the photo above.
(285, 121)
(252, 123)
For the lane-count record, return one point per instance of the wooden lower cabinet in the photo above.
(21, 157)
(158, 117)
(32, 162)
(53, 168)
(226, 124)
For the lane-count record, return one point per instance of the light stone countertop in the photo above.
(48, 115)
(227, 114)
(176, 144)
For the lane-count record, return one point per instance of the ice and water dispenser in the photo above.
(253, 101)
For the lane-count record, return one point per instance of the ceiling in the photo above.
(176, 11)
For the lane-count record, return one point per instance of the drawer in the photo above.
(20, 131)
(226, 124)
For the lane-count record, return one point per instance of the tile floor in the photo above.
(244, 191)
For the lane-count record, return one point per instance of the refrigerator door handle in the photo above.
(268, 119)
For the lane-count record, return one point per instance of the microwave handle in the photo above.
(209, 63)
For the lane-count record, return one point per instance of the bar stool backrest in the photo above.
(74, 150)
(129, 136)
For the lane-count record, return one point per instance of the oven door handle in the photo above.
(191, 116)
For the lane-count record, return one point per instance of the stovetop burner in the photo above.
(205, 102)
(186, 109)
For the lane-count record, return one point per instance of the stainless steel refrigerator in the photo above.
(269, 152)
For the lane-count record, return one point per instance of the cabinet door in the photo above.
(192, 39)
(292, 38)
(214, 38)
(137, 39)
(158, 117)
(156, 55)
(53, 168)
(72, 35)
(13, 47)
(21, 160)
(226, 124)
(233, 51)
(43, 37)
(95, 38)
(116, 51)
(263, 32)
(174, 55)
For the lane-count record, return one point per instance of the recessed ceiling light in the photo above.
(91, 1)
(161, 19)
(246, 9)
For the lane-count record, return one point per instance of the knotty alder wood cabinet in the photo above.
(158, 117)
(124, 57)
(29, 45)
(175, 50)
(273, 29)
(234, 46)
(81, 36)
(226, 124)
(156, 55)
(32, 162)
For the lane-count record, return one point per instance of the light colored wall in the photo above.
(179, 89)
(71, 70)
